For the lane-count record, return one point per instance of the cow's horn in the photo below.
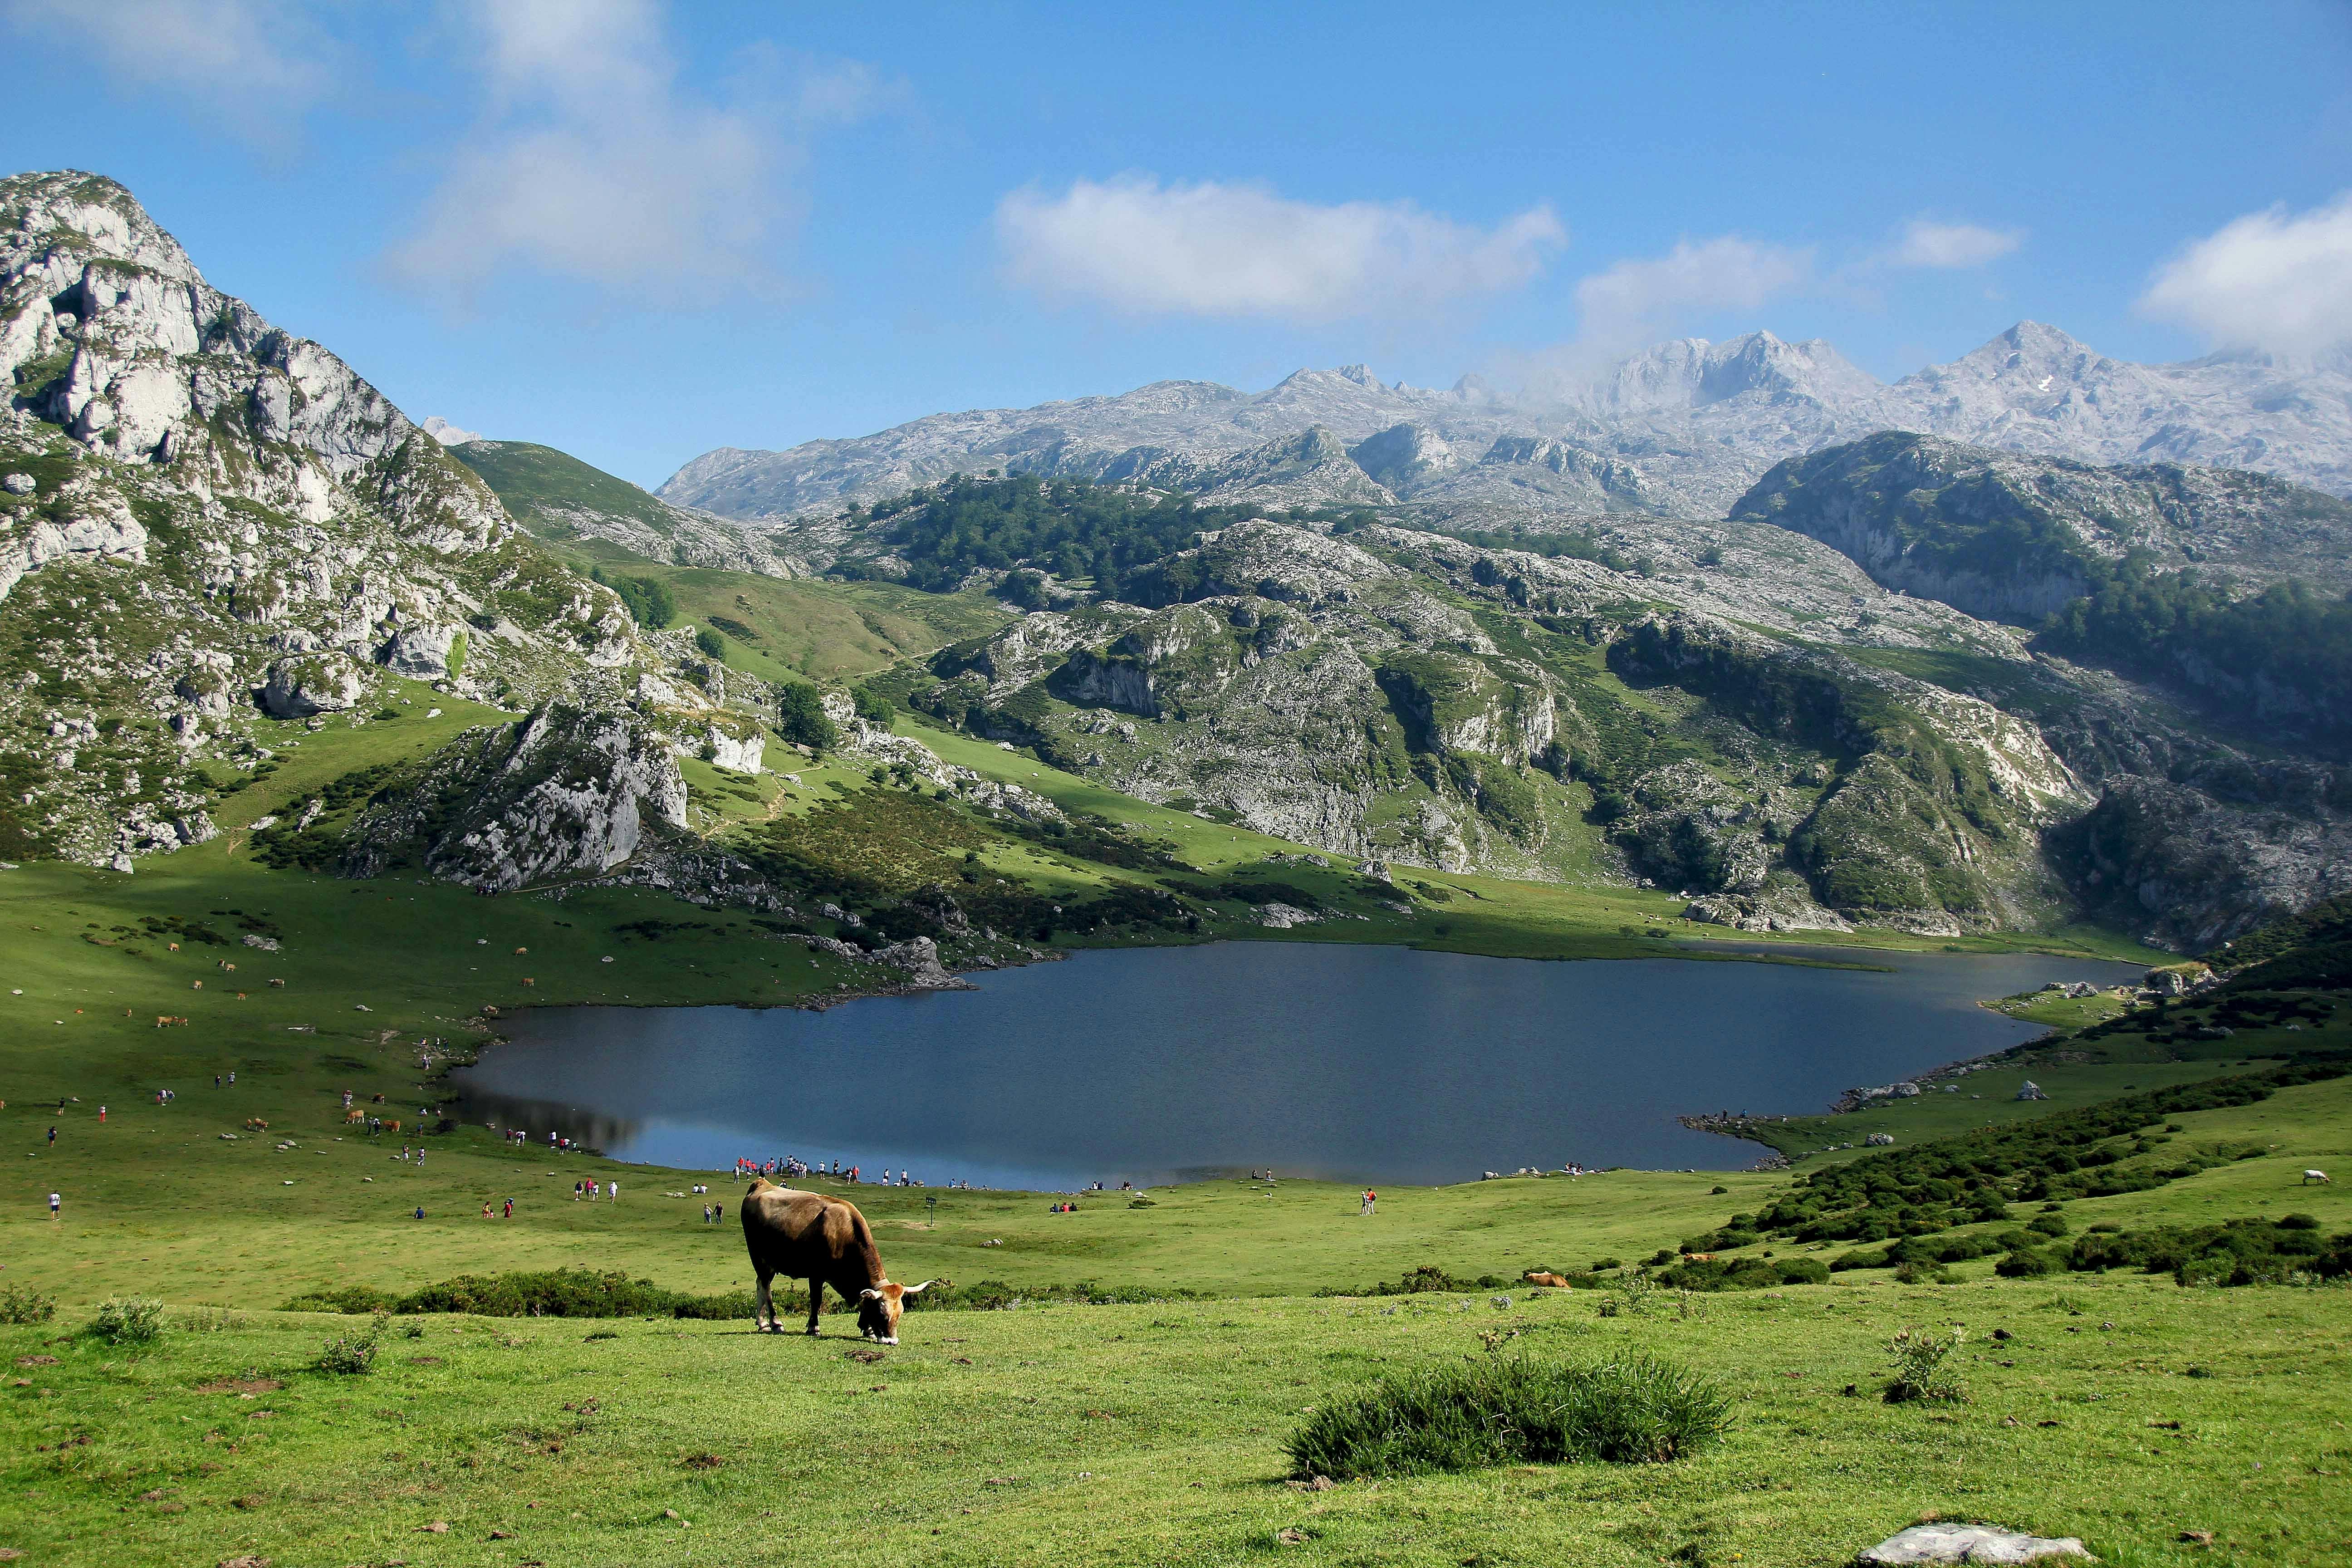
(916, 1289)
(869, 1295)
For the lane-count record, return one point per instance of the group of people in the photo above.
(587, 1191)
(790, 1165)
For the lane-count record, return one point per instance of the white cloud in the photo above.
(1637, 300)
(594, 161)
(246, 64)
(1952, 244)
(1212, 249)
(2270, 280)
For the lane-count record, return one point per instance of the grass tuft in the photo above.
(1479, 1414)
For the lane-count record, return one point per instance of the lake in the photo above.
(1353, 1063)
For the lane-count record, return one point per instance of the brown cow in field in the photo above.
(1545, 1277)
(826, 1241)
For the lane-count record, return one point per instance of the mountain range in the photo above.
(1681, 429)
(1889, 677)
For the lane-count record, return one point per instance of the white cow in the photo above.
(2319, 1177)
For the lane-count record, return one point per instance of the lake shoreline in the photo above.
(1335, 1060)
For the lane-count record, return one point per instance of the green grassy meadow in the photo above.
(1144, 1433)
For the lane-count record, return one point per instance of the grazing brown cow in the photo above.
(1545, 1277)
(826, 1241)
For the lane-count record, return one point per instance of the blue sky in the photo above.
(638, 231)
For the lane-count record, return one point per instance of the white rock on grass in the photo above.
(1971, 1544)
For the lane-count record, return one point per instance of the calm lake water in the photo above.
(1353, 1063)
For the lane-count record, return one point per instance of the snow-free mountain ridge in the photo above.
(1681, 428)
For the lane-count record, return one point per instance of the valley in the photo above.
(330, 741)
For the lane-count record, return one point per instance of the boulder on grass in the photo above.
(1971, 1544)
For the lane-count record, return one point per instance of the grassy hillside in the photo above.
(780, 628)
(537, 484)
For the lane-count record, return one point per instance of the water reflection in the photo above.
(1352, 1063)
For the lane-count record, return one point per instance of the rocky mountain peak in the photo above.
(2031, 355)
(69, 210)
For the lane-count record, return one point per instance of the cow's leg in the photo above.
(816, 1296)
(764, 1306)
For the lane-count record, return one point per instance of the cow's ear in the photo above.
(916, 1289)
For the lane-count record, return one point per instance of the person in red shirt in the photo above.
(1370, 1198)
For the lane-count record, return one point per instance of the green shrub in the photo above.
(2024, 1264)
(2047, 1225)
(583, 1293)
(1602, 1265)
(552, 1293)
(1491, 1411)
(648, 599)
(351, 1354)
(2235, 1252)
(711, 643)
(1920, 1369)
(128, 1321)
(801, 717)
(21, 1305)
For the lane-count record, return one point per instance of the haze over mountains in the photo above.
(1680, 429)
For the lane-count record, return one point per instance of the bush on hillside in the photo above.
(648, 599)
(1971, 1179)
(1921, 1369)
(2235, 1252)
(1492, 1411)
(579, 1293)
(553, 1293)
(801, 717)
(351, 1354)
(128, 1321)
(21, 1305)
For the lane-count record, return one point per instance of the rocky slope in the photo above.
(2005, 535)
(1411, 698)
(1733, 710)
(1683, 428)
(213, 534)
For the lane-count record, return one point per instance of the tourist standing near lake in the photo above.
(1370, 1198)
(54, 1201)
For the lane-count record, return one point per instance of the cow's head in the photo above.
(879, 1306)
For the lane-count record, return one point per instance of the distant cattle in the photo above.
(2319, 1177)
(824, 1241)
(1545, 1277)
(355, 1114)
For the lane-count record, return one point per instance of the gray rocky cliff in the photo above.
(214, 534)
(566, 792)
